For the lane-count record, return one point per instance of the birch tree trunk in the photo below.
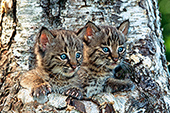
(21, 20)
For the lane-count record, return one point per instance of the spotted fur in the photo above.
(104, 50)
(59, 54)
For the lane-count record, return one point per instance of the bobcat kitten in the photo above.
(59, 55)
(104, 50)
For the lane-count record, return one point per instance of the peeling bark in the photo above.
(21, 19)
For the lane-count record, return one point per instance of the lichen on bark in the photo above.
(21, 20)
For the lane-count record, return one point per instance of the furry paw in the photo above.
(74, 92)
(41, 89)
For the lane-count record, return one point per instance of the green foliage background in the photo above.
(164, 7)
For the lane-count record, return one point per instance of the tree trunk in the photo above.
(21, 20)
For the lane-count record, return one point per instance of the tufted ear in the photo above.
(124, 26)
(45, 37)
(88, 31)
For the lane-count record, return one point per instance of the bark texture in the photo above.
(21, 19)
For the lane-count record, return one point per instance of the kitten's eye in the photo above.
(120, 49)
(105, 49)
(63, 56)
(77, 55)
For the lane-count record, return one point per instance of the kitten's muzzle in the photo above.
(73, 65)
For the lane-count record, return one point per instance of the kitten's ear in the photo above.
(124, 26)
(88, 31)
(45, 37)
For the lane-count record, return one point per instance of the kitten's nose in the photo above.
(74, 66)
(115, 59)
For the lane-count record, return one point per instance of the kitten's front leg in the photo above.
(74, 89)
(35, 84)
(41, 89)
(114, 85)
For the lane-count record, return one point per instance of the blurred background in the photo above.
(164, 7)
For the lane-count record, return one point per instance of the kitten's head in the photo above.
(59, 52)
(105, 46)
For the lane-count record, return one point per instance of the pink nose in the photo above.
(74, 66)
(115, 59)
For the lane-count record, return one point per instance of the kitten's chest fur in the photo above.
(59, 85)
(92, 82)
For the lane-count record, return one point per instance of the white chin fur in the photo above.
(69, 74)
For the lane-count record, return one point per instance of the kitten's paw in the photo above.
(41, 89)
(74, 92)
(106, 108)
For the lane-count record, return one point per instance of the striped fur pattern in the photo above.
(59, 54)
(65, 43)
(104, 50)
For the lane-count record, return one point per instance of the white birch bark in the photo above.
(21, 20)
